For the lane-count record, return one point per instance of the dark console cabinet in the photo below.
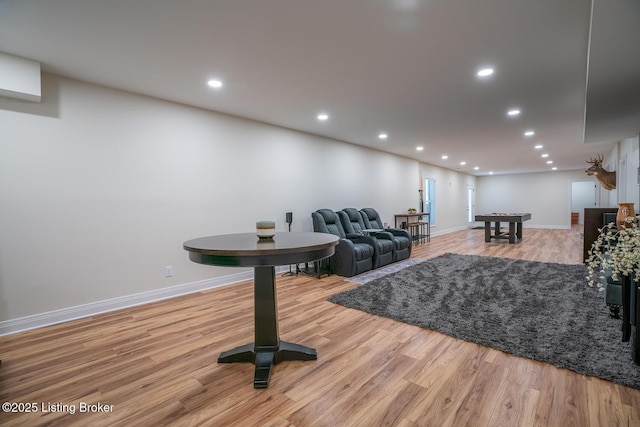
(593, 220)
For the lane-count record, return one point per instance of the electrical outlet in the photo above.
(168, 271)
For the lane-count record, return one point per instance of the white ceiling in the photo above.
(404, 67)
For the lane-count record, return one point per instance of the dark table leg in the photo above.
(512, 232)
(519, 231)
(487, 231)
(267, 349)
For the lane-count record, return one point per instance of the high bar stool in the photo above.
(417, 231)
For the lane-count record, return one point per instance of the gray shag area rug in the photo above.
(541, 311)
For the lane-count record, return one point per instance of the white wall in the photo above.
(546, 195)
(609, 198)
(630, 154)
(99, 189)
(624, 158)
(451, 198)
(583, 195)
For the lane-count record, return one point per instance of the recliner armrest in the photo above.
(399, 232)
(381, 235)
(358, 238)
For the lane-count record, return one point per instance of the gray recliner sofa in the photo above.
(354, 253)
(353, 224)
(401, 238)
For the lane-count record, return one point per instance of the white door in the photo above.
(583, 195)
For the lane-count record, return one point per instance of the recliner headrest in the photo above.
(353, 214)
(329, 216)
(370, 213)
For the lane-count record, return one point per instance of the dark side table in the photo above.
(631, 326)
(246, 250)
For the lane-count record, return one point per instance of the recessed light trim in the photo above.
(485, 72)
(514, 112)
(529, 133)
(463, 163)
(216, 84)
(544, 156)
(549, 162)
(420, 148)
(539, 147)
(383, 136)
(323, 117)
(444, 157)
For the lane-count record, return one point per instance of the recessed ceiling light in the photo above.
(445, 157)
(513, 112)
(420, 148)
(463, 163)
(484, 72)
(383, 136)
(545, 155)
(538, 147)
(475, 168)
(529, 133)
(323, 117)
(491, 173)
(554, 168)
(215, 83)
(549, 162)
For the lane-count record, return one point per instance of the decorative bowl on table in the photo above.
(265, 229)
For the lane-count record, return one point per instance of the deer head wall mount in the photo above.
(605, 178)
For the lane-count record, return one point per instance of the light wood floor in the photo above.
(156, 364)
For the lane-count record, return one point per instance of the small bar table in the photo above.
(418, 229)
(247, 250)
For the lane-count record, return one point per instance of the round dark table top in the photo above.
(247, 250)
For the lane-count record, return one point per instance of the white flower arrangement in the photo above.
(615, 249)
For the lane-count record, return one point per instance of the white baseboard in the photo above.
(439, 232)
(48, 318)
